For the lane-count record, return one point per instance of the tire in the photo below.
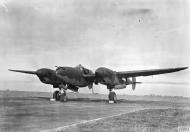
(56, 95)
(112, 96)
(63, 97)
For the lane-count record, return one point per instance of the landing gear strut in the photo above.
(112, 96)
(61, 94)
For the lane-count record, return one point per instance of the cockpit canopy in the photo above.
(80, 66)
(84, 70)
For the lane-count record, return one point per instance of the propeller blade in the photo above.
(92, 90)
(90, 86)
(133, 83)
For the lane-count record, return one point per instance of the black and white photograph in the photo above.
(95, 66)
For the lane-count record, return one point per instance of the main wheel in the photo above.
(63, 97)
(56, 95)
(112, 96)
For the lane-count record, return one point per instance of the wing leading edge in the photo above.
(149, 72)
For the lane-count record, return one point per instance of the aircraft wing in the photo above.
(21, 71)
(149, 72)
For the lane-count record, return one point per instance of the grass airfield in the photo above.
(32, 111)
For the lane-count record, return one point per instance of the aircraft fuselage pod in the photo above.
(74, 75)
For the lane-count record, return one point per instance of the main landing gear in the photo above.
(56, 95)
(60, 95)
(112, 96)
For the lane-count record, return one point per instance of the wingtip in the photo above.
(184, 68)
(11, 70)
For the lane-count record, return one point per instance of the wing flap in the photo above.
(149, 72)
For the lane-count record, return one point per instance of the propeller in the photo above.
(90, 86)
(134, 83)
(92, 90)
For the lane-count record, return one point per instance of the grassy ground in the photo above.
(151, 120)
(32, 111)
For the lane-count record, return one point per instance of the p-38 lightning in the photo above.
(73, 78)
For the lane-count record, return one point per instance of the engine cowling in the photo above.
(121, 86)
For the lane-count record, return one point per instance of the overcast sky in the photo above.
(121, 35)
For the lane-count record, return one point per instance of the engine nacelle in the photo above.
(121, 86)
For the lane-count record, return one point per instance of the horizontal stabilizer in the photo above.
(21, 71)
